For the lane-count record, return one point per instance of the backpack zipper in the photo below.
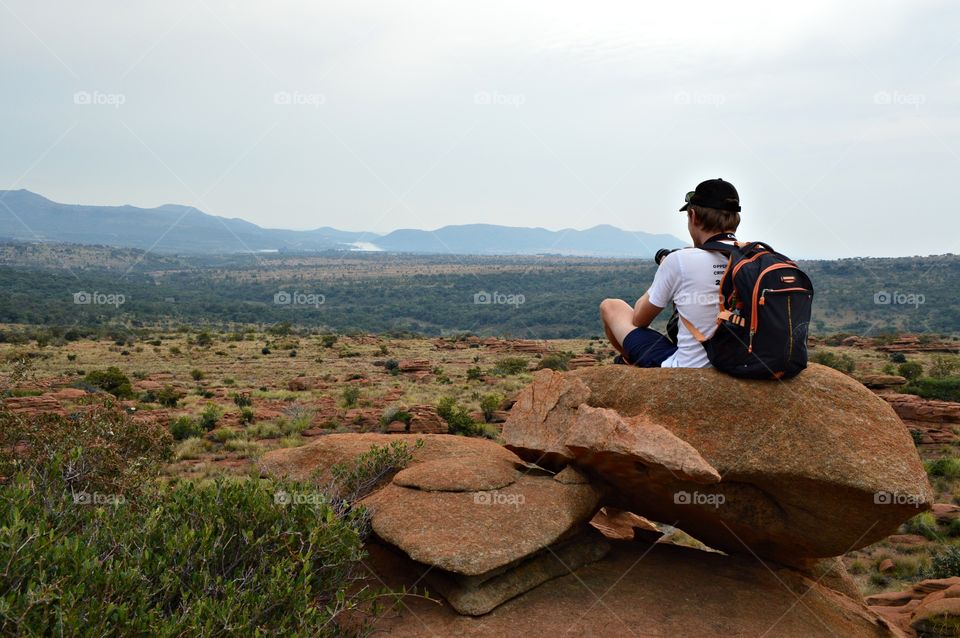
(756, 290)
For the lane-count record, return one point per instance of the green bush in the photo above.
(458, 419)
(352, 481)
(910, 370)
(226, 558)
(842, 362)
(210, 416)
(924, 524)
(111, 380)
(196, 374)
(946, 389)
(474, 373)
(106, 449)
(168, 397)
(350, 395)
(246, 416)
(943, 366)
(328, 340)
(556, 362)
(897, 357)
(184, 428)
(509, 365)
(947, 467)
(489, 404)
(945, 564)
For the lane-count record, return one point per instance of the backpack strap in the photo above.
(693, 329)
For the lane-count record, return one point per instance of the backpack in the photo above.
(764, 313)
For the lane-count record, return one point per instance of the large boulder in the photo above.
(811, 467)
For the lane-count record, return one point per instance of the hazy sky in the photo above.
(837, 121)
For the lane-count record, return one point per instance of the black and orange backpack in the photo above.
(764, 313)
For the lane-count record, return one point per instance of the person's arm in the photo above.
(644, 312)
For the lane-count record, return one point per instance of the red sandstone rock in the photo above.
(797, 482)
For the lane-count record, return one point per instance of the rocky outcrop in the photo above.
(812, 467)
(640, 589)
(929, 608)
(488, 526)
(931, 422)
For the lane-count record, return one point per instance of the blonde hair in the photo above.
(714, 220)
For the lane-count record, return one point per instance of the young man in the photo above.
(689, 278)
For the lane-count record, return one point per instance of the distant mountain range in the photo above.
(26, 216)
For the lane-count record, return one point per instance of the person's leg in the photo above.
(617, 317)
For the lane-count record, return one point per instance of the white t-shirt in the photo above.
(690, 278)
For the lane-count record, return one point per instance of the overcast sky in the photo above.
(837, 121)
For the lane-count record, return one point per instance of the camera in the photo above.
(663, 252)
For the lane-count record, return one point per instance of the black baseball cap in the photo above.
(714, 193)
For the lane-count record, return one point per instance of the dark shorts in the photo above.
(647, 348)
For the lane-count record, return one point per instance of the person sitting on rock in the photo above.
(689, 278)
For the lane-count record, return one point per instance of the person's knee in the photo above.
(607, 307)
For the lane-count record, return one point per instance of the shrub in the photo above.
(111, 380)
(265, 430)
(105, 449)
(394, 413)
(924, 524)
(196, 374)
(242, 400)
(184, 428)
(947, 467)
(168, 397)
(244, 448)
(264, 350)
(947, 389)
(352, 481)
(350, 395)
(204, 339)
(458, 419)
(222, 435)
(910, 370)
(192, 448)
(556, 361)
(210, 416)
(898, 357)
(474, 374)
(328, 340)
(246, 416)
(842, 362)
(945, 564)
(510, 365)
(943, 366)
(392, 366)
(489, 403)
(156, 566)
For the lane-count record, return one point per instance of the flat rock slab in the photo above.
(639, 590)
(471, 533)
(812, 467)
(453, 475)
(322, 453)
(478, 595)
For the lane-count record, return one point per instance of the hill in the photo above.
(171, 228)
